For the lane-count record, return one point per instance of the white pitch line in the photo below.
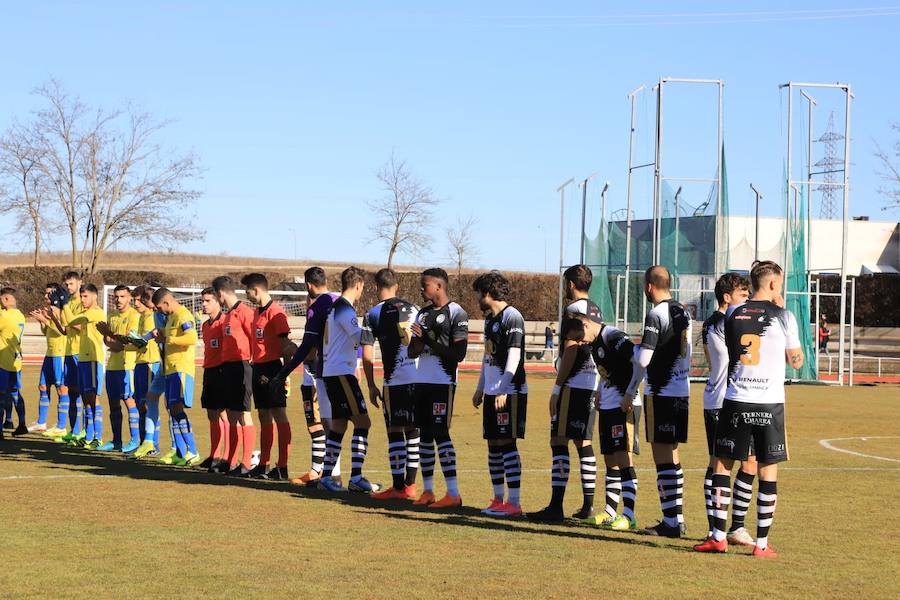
(827, 444)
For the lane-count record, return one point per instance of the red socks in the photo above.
(234, 435)
(284, 443)
(248, 439)
(266, 440)
(215, 437)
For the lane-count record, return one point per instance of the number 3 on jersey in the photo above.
(750, 342)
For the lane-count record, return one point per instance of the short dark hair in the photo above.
(222, 283)
(7, 291)
(572, 328)
(120, 288)
(71, 275)
(143, 293)
(161, 293)
(255, 280)
(88, 287)
(493, 283)
(315, 276)
(762, 269)
(53, 286)
(385, 278)
(581, 276)
(208, 291)
(658, 276)
(350, 277)
(437, 273)
(728, 283)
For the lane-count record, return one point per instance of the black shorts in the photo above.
(509, 423)
(434, 408)
(263, 397)
(237, 377)
(347, 400)
(616, 431)
(710, 420)
(666, 419)
(212, 396)
(575, 414)
(399, 405)
(310, 405)
(746, 428)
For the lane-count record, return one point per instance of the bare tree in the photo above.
(461, 243)
(404, 212)
(24, 194)
(133, 187)
(890, 172)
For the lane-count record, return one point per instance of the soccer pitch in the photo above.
(88, 524)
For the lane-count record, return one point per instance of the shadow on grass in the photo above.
(78, 461)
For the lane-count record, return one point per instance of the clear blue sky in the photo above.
(293, 106)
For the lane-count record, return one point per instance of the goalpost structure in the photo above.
(293, 302)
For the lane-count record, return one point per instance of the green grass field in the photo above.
(84, 524)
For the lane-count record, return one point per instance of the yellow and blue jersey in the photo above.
(124, 323)
(90, 343)
(70, 310)
(150, 353)
(180, 335)
(12, 326)
(56, 340)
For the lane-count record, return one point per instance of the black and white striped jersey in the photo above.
(758, 333)
(613, 351)
(389, 322)
(444, 326)
(501, 333)
(667, 331)
(713, 335)
(583, 375)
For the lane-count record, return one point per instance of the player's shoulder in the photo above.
(512, 316)
(457, 313)
(715, 320)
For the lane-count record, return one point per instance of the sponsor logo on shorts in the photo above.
(577, 425)
(618, 431)
(734, 419)
(776, 448)
(757, 418)
(503, 418)
(725, 443)
(439, 408)
(681, 404)
(666, 428)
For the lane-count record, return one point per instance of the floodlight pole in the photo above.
(809, 145)
(562, 229)
(657, 188)
(756, 234)
(584, 186)
(677, 196)
(628, 211)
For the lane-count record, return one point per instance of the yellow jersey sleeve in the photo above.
(181, 342)
(90, 346)
(71, 310)
(150, 352)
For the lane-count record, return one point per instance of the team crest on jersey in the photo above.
(259, 333)
(213, 343)
(439, 409)
(440, 319)
(618, 431)
(228, 330)
(503, 418)
(496, 327)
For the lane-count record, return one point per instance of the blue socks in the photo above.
(20, 408)
(151, 423)
(98, 422)
(88, 421)
(43, 407)
(115, 421)
(183, 434)
(134, 423)
(62, 411)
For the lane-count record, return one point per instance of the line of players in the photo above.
(248, 358)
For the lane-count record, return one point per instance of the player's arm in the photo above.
(459, 341)
(416, 345)
(306, 351)
(649, 340)
(185, 335)
(637, 375)
(367, 341)
(515, 336)
(794, 352)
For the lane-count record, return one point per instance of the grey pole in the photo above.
(720, 200)
(584, 186)
(809, 145)
(562, 228)
(756, 223)
(628, 210)
(603, 204)
(677, 196)
(657, 190)
(845, 233)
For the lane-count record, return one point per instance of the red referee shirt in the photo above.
(237, 329)
(212, 331)
(270, 324)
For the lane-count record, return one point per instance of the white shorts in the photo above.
(324, 403)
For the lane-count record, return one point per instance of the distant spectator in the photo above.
(824, 335)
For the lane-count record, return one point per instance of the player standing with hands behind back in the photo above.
(760, 336)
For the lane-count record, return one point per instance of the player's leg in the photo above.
(612, 440)
(179, 397)
(134, 416)
(338, 412)
(517, 407)
(395, 403)
(76, 404)
(560, 462)
(22, 428)
(316, 431)
(359, 443)
(423, 416)
(210, 401)
(741, 496)
(53, 376)
(326, 414)
(115, 383)
(442, 414)
(413, 439)
(710, 418)
(240, 380)
(44, 383)
(495, 444)
(663, 434)
(770, 444)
